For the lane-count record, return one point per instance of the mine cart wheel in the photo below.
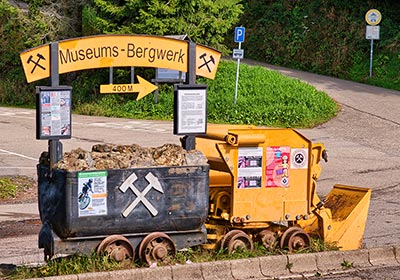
(295, 239)
(237, 239)
(116, 247)
(267, 238)
(157, 247)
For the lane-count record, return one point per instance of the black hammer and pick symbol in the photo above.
(206, 62)
(40, 57)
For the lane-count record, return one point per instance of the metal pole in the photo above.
(111, 76)
(55, 147)
(370, 58)
(189, 141)
(237, 75)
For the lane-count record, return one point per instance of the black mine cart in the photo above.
(147, 213)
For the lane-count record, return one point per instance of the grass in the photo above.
(265, 98)
(78, 264)
(7, 188)
(13, 186)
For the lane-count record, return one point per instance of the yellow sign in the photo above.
(119, 51)
(36, 63)
(143, 88)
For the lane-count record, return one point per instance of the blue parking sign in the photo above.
(239, 34)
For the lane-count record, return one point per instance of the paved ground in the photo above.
(362, 143)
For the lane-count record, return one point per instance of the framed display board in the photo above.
(190, 109)
(53, 112)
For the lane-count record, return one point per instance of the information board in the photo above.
(190, 110)
(53, 112)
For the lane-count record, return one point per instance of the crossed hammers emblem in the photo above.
(36, 63)
(141, 196)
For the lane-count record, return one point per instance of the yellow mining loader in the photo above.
(263, 188)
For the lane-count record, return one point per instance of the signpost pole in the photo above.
(189, 141)
(55, 147)
(237, 74)
(373, 17)
(238, 38)
(371, 58)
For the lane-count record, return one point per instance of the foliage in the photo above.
(7, 188)
(77, 264)
(265, 98)
(204, 21)
(326, 37)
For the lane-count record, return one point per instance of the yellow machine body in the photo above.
(263, 177)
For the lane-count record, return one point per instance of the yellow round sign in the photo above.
(373, 17)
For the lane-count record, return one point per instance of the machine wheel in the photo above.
(267, 238)
(157, 247)
(116, 247)
(295, 238)
(237, 239)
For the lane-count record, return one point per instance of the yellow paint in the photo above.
(143, 88)
(343, 218)
(207, 61)
(36, 63)
(122, 51)
(104, 51)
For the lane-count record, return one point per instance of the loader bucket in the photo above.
(349, 209)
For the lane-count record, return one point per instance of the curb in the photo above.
(267, 267)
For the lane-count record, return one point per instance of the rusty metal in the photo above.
(156, 247)
(117, 248)
(294, 239)
(237, 239)
(267, 238)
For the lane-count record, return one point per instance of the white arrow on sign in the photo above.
(141, 196)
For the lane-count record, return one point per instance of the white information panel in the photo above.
(190, 109)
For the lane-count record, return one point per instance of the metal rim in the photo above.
(238, 240)
(298, 241)
(267, 238)
(116, 247)
(157, 247)
(295, 238)
(285, 236)
(227, 237)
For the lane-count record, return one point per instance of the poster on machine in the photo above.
(277, 166)
(249, 167)
(92, 193)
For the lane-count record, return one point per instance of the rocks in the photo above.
(108, 156)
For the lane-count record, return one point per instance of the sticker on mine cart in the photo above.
(92, 193)
(249, 167)
(277, 167)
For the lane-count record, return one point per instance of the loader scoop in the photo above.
(349, 211)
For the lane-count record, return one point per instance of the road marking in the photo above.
(18, 155)
(136, 125)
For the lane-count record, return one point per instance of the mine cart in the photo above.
(147, 212)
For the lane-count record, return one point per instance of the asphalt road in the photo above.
(362, 142)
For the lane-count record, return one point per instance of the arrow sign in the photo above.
(143, 88)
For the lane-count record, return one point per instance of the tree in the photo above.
(204, 21)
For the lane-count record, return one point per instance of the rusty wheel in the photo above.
(237, 239)
(295, 239)
(298, 241)
(227, 237)
(267, 238)
(156, 247)
(116, 247)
